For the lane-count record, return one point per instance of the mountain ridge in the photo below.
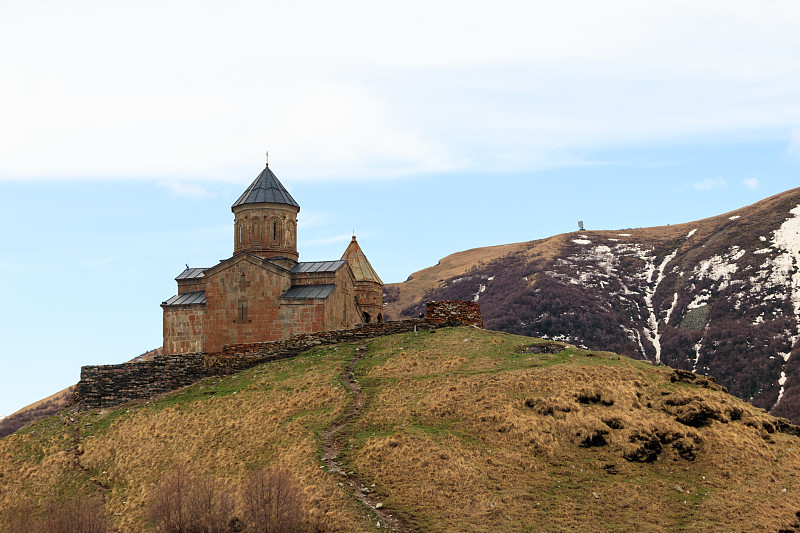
(719, 296)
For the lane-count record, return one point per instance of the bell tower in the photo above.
(265, 220)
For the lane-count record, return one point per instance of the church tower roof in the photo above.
(266, 189)
(359, 264)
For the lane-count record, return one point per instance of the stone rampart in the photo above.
(109, 385)
(453, 312)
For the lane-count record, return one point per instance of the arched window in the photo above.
(275, 230)
(366, 317)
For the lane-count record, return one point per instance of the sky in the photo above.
(127, 130)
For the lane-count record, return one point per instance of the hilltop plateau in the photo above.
(719, 296)
(457, 429)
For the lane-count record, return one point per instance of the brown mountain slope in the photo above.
(719, 296)
(460, 429)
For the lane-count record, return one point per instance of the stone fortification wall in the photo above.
(106, 385)
(109, 385)
(453, 312)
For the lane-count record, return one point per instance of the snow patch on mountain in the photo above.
(786, 268)
(719, 268)
(671, 308)
(651, 330)
(691, 233)
(481, 289)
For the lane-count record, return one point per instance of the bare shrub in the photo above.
(184, 502)
(80, 514)
(272, 502)
(21, 519)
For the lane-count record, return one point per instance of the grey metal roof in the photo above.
(317, 266)
(191, 273)
(309, 291)
(196, 297)
(265, 189)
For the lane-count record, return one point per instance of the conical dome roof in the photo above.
(266, 189)
(359, 264)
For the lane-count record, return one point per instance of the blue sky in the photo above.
(127, 132)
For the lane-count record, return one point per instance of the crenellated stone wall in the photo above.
(109, 385)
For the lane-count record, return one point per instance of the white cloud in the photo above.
(750, 183)
(361, 89)
(708, 184)
(180, 188)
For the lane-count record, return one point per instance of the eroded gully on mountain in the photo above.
(332, 447)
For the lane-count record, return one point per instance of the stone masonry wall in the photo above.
(454, 311)
(184, 328)
(109, 385)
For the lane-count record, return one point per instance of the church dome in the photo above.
(266, 189)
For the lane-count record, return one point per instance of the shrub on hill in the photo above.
(269, 501)
(81, 514)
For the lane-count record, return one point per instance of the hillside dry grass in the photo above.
(227, 428)
(463, 430)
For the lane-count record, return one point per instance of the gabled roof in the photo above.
(317, 266)
(266, 189)
(362, 270)
(196, 297)
(309, 291)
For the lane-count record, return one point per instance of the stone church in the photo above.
(262, 293)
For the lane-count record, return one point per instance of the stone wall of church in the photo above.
(370, 298)
(184, 329)
(298, 316)
(242, 305)
(265, 230)
(191, 285)
(341, 308)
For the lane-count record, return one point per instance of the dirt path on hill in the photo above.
(76, 451)
(332, 447)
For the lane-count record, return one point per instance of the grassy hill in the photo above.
(459, 429)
